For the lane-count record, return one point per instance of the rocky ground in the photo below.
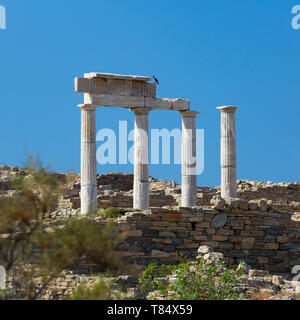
(256, 284)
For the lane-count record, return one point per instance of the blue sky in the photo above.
(223, 52)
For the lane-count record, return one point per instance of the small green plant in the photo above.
(111, 213)
(193, 281)
(102, 289)
(2, 294)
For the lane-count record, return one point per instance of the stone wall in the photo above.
(115, 190)
(283, 195)
(264, 233)
(254, 232)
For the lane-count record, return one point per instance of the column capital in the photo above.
(88, 107)
(227, 108)
(189, 114)
(140, 111)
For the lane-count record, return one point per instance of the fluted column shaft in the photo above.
(88, 159)
(188, 159)
(228, 152)
(141, 159)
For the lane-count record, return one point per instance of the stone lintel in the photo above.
(116, 76)
(139, 102)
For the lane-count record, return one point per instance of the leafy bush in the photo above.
(66, 245)
(111, 213)
(31, 247)
(193, 281)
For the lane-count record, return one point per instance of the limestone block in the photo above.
(204, 249)
(247, 243)
(159, 254)
(271, 246)
(282, 239)
(219, 238)
(219, 220)
(262, 205)
(217, 202)
(133, 233)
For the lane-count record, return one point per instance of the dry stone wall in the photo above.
(263, 238)
(262, 227)
(283, 195)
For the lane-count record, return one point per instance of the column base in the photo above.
(88, 207)
(141, 195)
(88, 199)
(189, 191)
(228, 192)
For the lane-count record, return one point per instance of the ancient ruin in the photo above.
(136, 93)
(261, 227)
(162, 221)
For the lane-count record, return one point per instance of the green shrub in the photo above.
(78, 237)
(102, 289)
(193, 281)
(32, 247)
(2, 294)
(111, 213)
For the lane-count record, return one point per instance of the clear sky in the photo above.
(222, 52)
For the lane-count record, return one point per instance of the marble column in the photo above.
(88, 159)
(188, 159)
(141, 159)
(228, 152)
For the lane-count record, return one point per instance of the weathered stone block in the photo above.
(212, 244)
(219, 238)
(172, 217)
(159, 254)
(176, 241)
(210, 231)
(167, 234)
(271, 246)
(273, 222)
(247, 243)
(217, 202)
(133, 233)
(219, 220)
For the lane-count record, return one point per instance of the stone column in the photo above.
(188, 159)
(228, 152)
(88, 159)
(141, 159)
